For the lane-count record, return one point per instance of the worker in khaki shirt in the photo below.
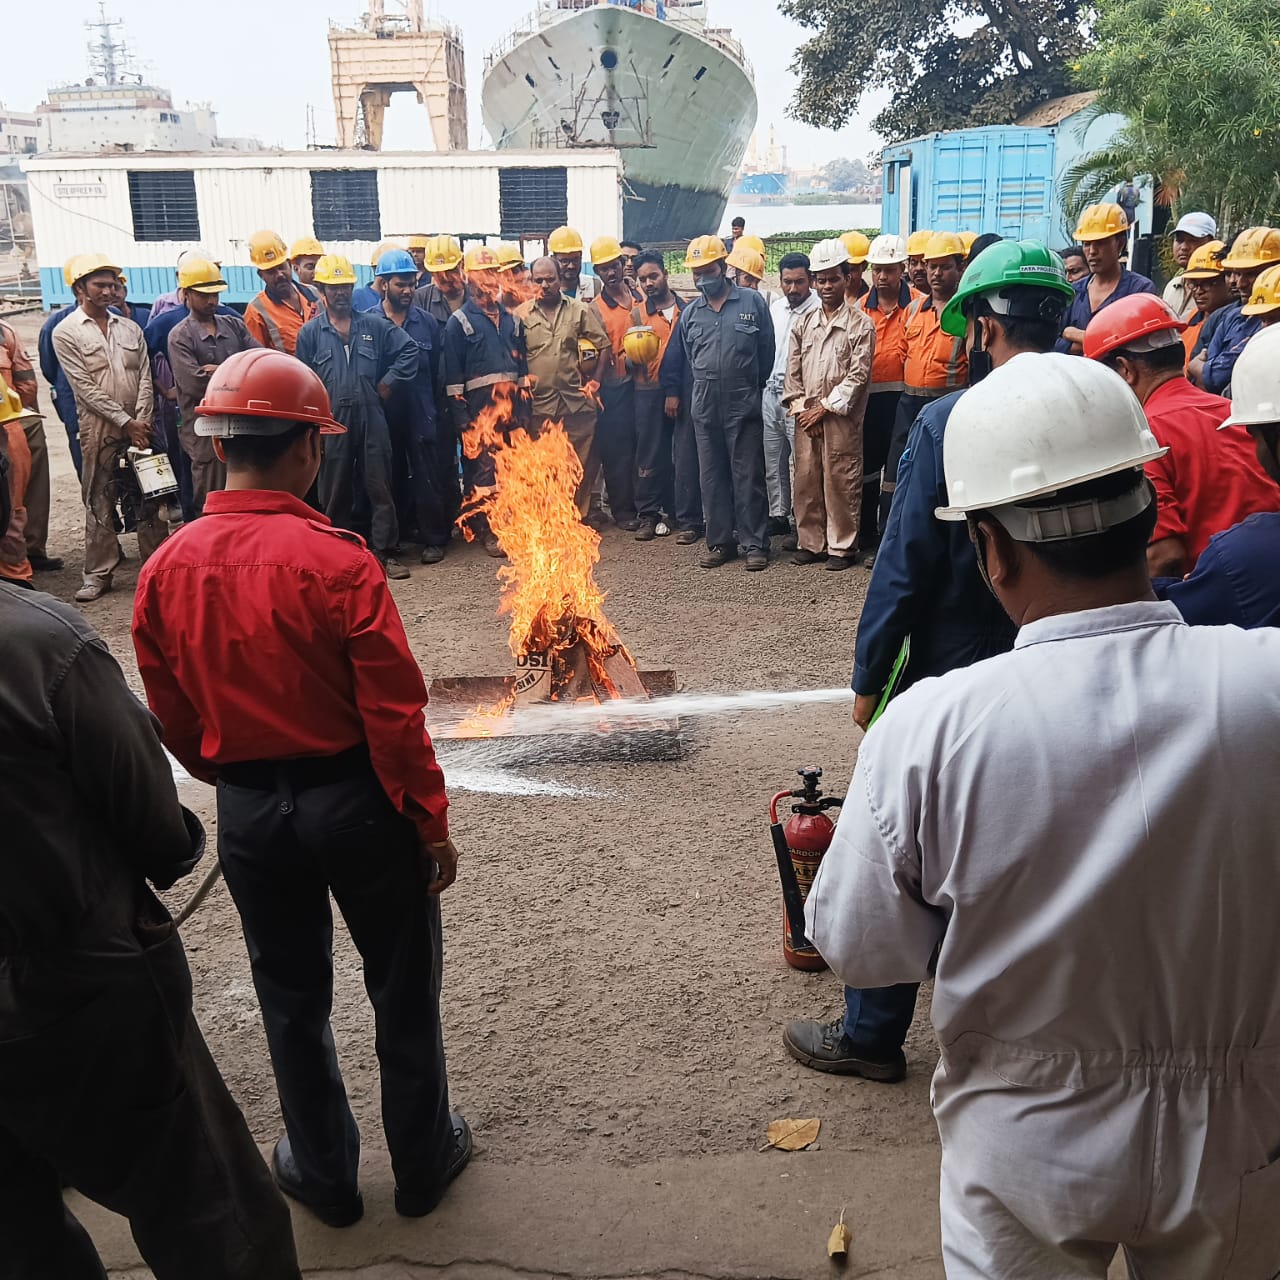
(105, 359)
(556, 329)
(281, 309)
(828, 377)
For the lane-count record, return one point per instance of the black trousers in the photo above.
(616, 442)
(688, 479)
(877, 431)
(655, 481)
(119, 1098)
(289, 833)
(903, 419)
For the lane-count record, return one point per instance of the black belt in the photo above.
(300, 772)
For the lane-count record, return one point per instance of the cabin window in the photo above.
(702, 71)
(163, 203)
(891, 178)
(531, 202)
(344, 204)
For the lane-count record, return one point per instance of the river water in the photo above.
(777, 219)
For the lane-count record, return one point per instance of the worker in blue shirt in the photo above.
(927, 587)
(1252, 251)
(64, 402)
(1103, 234)
(1235, 579)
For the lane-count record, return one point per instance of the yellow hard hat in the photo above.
(306, 247)
(1205, 263)
(266, 250)
(1265, 297)
(384, 246)
(917, 242)
(481, 258)
(1253, 247)
(11, 406)
(856, 245)
(605, 249)
(509, 255)
(641, 344)
(201, 276)
(750, 242)
(417, 242)
(89, 264)
(1101, 222)
(703, 251)
(70, 269)
(333, 268)
(588, 351)
(941, 244)
(444, 253)
(749, 260)
(967, 239)
(564, 240)
(124, 279)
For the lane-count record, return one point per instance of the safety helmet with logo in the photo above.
(444, 253)
(1021, 279)
(605, 249)
(90, 264)
(266, 250)
(306, 247)
(384, 246)
(1265, 297)
(703, 251)
(916, 243)
(396, 262)
(943, 244)
(199, 275)
(754, 243)
(564, 240)
(886, 250)
(417, 242)
(1039, 424)
(509, 255)
(333, 268)
(588, 351)
(1253, 247)
(641, 344)
(1205, 262)
(746, 260)
(1255, 382)
(264, 393)
(827, 254)
(1139, 323)
(479, 257)
(12, 408)
(856, 245)
(1101, 222)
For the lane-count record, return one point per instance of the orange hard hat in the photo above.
(1132, 323)
(266, 385)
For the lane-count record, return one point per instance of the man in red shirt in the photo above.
(1210, 479)
(273, 654)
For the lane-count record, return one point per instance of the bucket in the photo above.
(155, 474)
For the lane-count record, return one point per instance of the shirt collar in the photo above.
(652, 308)
(262, 502)
(1140, 615)
(112, 316)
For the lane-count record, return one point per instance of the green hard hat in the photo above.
(1007, 264)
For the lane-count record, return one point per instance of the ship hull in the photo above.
(681, 111)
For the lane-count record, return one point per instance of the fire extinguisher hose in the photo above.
(792, 898)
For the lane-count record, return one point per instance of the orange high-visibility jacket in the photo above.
(891, 338)
(936, 362)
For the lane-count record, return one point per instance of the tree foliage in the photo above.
(1016, 53)
(1199, 81)
(847, 175)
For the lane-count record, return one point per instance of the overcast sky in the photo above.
(261, 62)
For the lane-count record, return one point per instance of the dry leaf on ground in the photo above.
(792, 1135)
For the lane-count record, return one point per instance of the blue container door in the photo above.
(960, 165)
(1021, 185)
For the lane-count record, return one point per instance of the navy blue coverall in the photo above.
(1235, 582)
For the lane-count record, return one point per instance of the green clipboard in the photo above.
(895, 680)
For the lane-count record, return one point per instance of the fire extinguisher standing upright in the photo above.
(799, 846)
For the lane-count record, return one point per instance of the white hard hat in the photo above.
(1255, 381)
(827, 254)
(886, 250)
(1038, 424)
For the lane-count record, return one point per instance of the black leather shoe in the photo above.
(757, 560)
(432, 555)
(417, 1204)
(45, 564)
(825, 1047)
(836, 563)
(333, 1213)
(805, 557)
(714, 557)
(687, 537)
(647, 531)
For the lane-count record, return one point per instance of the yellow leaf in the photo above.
(839, 1241)
(792, 1135)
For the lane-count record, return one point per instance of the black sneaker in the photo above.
(647, 531)
(825, 1047)
(714, 557)
(341, 1212)
(417, 1204)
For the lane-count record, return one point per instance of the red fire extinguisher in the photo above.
(798, 847)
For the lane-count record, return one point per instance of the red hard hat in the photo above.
(268, 384)
(1127, 322)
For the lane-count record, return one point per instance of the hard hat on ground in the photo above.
(916, 243)
(333, 268)
(384, 246)
(751, 242)
(827, 254)
(444, 253)
(273, 390)
(1038, 424)
(509, 255)
(968, 239)
(1205, 262)
(1265, 297)
(417, 242)
(1200, 226)
(943, 244)
(266, 250)
(641, 344)
(1253, 247)
(564, 240)
(1139, 323)
(1101, 222)
(703, 251)
(396, 262)
(12, 408)
(306, 247)
(199, 275)
(605, 249)
(1000, 274)
(89, 264)
(886, 250)
(480, 257)
(747, 260)
(1255, 382)
(856, 245)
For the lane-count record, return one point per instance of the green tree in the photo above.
(847, 175)
(1199, 81)
(1016, 53)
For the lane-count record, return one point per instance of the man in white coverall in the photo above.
(1078, 842)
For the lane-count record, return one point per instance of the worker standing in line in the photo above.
(361, 357)
(677, 404)
(64, 401)
(106, 362)
(1192, 231)
(1205, 282)
(565, 245)
(917, 272)
(326, 780)
(1103, 233)
(486, 357)
(858, 246)
(1253, 249)
(1075, 864)
(279, 311)
(15, 474)
(829, 358)
(631, 250)
(747, 265)
(936, 364)
(1235, 581)
(1206, 480)
(304, 253)
(1264, 301)
(426, 500)
(1073, 261)
(737, 229)
(138, 312)
(418, 252)
(368, 297)
(886, 304)
(447, 290)
(927, 588)
(196, 348)
(726, 337)
(515, 275)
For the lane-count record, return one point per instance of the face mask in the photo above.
(712, 286)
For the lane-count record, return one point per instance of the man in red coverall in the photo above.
(273, 654)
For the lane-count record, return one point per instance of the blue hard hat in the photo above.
(396, 262)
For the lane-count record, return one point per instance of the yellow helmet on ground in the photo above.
(1205, 262)
(641, 344)
(444, 253)
(1253, 247)
(748, 260)
(1265, 297)
(703, 251)
(941, 244)
(266, 250)
(856, 245)
(481, 258)
(564, 240)
(417, 242)
(750, 242)
(605, 249)
(509, 255)
(306, 247)
(1101, 222)
(917, 242)
(201, 276)
(89, 264)
(333, 268)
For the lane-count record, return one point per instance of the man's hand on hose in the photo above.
(139, 433)
(864, 707)
(441, 861)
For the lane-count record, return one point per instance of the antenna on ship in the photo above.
(107, 56)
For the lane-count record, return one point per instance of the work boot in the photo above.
(805, 557)
(825, 1047)
(92, 591)
(45, 564)
(647, 531)
(687, 537)
(790, 542)
(492, 547)
(393, 567)
(714, 557)
(432, 555)
(628, 524)
(779, 526)
(757, 560)
(340, 1211)
(417, 1204)
(836, 563)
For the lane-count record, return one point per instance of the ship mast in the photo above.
(107, 56)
